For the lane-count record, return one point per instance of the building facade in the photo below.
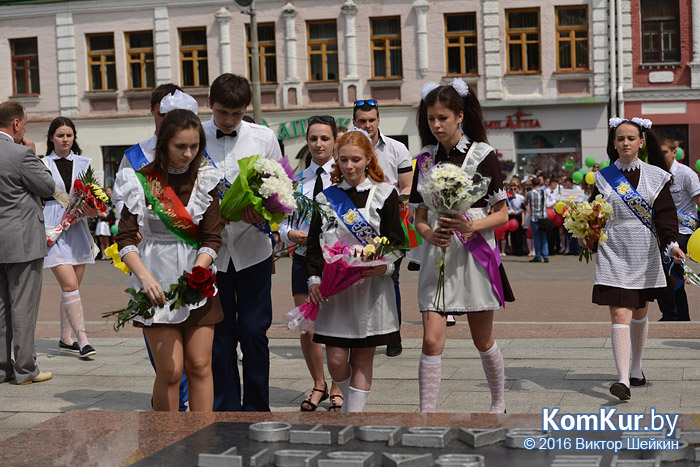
(543, 74)
(662, 79)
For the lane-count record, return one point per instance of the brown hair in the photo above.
(231, 91)
(55, 125)
(9, 111)
(175, 121)
(668, 142)
(360, 140)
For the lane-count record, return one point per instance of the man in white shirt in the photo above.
(244, 260)
(686, 195)
(395, 161)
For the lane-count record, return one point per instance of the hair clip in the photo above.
(643, 122)
(427, 88)
(461, 87)
(361, 131)
(178, 100)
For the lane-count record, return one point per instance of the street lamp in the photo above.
(255, 58)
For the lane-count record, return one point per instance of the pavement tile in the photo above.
(691, 373)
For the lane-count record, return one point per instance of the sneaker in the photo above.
(87, 351)
(68, 348)
(40, 378)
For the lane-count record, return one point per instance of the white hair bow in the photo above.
(178, 100)
(361, 131)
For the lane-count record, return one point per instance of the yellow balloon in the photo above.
(559, 207)
(590, 179)
(694, 246)
(275, 227)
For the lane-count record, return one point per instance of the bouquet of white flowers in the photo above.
(265, 186)
(449, 191)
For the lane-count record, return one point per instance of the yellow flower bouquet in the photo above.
(586, 221)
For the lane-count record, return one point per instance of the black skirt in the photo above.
(393, 338)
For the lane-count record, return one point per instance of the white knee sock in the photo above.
(74, 312)
(343, 386)
(638, 337)
(65, 325)
(621, 351)
(492, 362)
(429, 376)
(355, 401)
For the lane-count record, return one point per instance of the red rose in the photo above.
(199, 278)
(209, 291)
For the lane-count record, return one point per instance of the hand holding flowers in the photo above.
(586, 222)
(191, 288)
(344, 266)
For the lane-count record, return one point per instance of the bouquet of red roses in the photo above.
(86, 192)
(190, 288)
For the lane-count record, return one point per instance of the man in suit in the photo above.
(24, 180)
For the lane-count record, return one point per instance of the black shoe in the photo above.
(534, 260)
(87, 351)
(638, 381)
(620, 391)
(546, 260)
(451, 322)
(413, 266)
(68, 348)
(393, 350)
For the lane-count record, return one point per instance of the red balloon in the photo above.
(558, 220)
(529, 232)
(512, 225)
(500, 232)
(550, 214)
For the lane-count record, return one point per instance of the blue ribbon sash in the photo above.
(637, 204)
(688, 221)
(350, 215)
(224, 184)
(136, 157)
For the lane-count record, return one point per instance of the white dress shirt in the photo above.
(393, 157)
(685, 187)
(308, 181)
(243, 243)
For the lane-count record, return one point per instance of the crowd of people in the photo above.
(166, 205)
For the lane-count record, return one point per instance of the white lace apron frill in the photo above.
(165, 256)
(368, 307)
(74, 246)
(630, 257)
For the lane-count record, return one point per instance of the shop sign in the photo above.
(295, 128)
(514, 122)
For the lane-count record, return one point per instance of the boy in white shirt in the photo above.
(244, 260)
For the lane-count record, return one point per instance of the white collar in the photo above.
(364, 186)
(55, 156)
(628, 167)
(327, 167)
(8, 135)
(178, 170)
(463, 143)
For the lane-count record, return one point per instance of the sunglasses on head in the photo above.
(370, 102)
(321, 118)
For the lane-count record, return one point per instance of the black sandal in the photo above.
(334, 406)
(311, 404)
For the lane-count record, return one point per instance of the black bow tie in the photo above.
(221, 134)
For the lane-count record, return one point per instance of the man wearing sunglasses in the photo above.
(395, 161)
